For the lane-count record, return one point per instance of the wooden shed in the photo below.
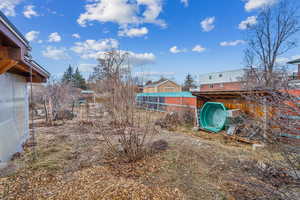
(17, 69)
(237, 100)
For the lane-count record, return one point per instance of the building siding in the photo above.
(14, 114)
(222, 86)
(221, 77)
(167, 86)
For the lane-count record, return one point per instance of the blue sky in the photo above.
(164, 37)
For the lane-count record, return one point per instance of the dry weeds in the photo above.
(72, 164)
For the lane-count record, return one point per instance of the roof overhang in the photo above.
(15, 54)
(297, 61)
(211, 95)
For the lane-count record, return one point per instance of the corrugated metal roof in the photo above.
(15, 30)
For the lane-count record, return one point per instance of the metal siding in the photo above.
(227, 77)
(14, 127)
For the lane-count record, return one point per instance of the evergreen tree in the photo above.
(78, 80)
(68, 75)
(75, 78)
(188, 83)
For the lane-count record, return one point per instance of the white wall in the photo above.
(221, 77)
(14, 114)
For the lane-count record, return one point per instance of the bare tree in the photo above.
(270, 38)
(59, 98)
(129, 131)
(109, 70)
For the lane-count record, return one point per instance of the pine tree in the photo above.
(68, 75)
(75, 78)
(78, 80)
(188, 83)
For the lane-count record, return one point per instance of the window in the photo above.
(220, 75)
(210, 77)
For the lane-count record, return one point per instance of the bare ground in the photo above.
(70, 162)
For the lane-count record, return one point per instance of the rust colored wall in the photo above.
(188, 101)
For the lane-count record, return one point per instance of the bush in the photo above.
(187, 117)
(170, 121)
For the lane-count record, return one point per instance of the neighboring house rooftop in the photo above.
(158, 83)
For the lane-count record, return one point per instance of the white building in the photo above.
(225, 80)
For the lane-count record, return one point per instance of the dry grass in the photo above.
(72, 164)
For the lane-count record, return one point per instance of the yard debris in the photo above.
(63, 115)
(170, 121)
(160, 145)
(72, 164)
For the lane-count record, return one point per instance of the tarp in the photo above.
(14, 114)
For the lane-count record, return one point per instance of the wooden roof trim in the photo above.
(7, 64)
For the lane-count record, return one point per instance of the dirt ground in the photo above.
(70, 162)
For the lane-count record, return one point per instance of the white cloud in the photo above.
(185, 2)
(134, 32)
(84, 67)
(256, 4)
(152, 12)
(76, 35)
(93, 48)
(176, 50)
(54, 37)
(8, 6)
(154, 73)
(282, 60)
(198, 48)
(295, 57)
(56, 53)
(232, 43)
(122, 12)
(32, 36)
(285, 60)
(208, 24)
(250, 21)
(29, 11)
(141, 58)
